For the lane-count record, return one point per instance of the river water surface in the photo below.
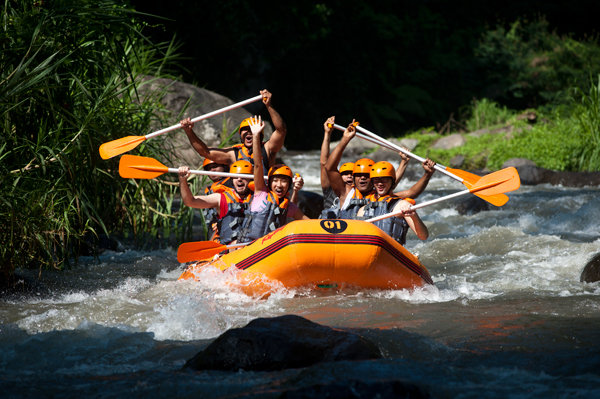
(507, 317)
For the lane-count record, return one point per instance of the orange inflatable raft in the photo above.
(316, 253)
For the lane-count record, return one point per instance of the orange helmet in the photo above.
(383, 169)
(241, 166)
(363, 166)
(245, 122)
(281, 170)
(347, 167)
(207, 162)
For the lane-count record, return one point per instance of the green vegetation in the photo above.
(70, 79)
(565, 137)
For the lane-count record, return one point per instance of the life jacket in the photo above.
(230, 225)
(395, 227)
(332, 212)
(242, 153)
(211, 215)
(356, 202)
(273, 216)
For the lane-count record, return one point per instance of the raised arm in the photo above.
(200, 201)
(331, 166)
(219, 155)
(327, 129)
(277, 139)
(419, 186)
(257, 126)
(402, 167)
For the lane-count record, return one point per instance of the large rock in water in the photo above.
(290, 341)
(183, 100)
(531, 174)
(591, 271)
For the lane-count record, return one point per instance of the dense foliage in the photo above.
(394, 65)
(70, 71)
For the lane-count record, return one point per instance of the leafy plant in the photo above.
(70, 74)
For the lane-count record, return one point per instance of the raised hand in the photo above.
(328, 125)
(256, 125)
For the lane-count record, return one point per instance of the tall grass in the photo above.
(486, 113)
(70, 73)
(588, 118)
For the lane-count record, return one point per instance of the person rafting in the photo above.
(270, 208)
(230, 204)
(383, 201)
(329, 196)
(211, 216)
(352, 197)
(244, 150)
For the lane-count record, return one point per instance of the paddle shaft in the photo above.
(205, 116)
(437, 200)
(437, 166)
(198, 172)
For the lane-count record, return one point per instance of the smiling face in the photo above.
(280, 185)
(240, 186)
(382, 185)
(347, 178)
(246, 136)
(362, 182)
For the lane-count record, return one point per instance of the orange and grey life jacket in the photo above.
(356, 202)
(273, 216)
(230, 225)
(242, 153)
(395, 227)
(211, 215)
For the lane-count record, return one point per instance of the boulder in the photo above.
(182, 100)
(591, 271)
(449, 142)
(278, 343)
(531, 174)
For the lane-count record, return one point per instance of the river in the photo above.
(506, 318)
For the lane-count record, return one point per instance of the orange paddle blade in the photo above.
(470, 179)
(136, 167)
(120, 146)
(499, 182)
(466, 176)
(199, 250)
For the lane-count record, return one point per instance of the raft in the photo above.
(322, 253)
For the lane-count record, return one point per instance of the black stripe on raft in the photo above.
(333, 239)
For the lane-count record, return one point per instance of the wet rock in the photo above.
(472, 205)
(531, 174)
(278, 343)
(359, 389)
(591, 271)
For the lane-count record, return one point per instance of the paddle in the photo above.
(466, 178)
(124, 144)
(502, 181)
(137, 167)
(199, 250)
(495, 183)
